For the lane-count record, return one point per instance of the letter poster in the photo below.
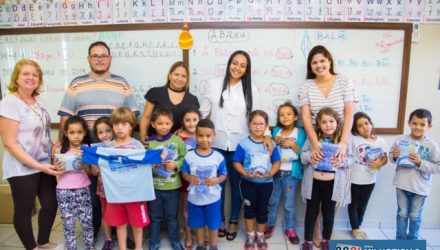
(158, 11)
(393, 11)
(334, 11)
(354, 10)
(196, 11)
(53, 13)
(6, 14)
(254, 10)
(103, 11)
(314, 10)
(139, 11)
(177, 11)
(121, 11)
(215, 10)
(19, 14)
(86, 12)
(432, 12)
(274, 10)
(414, 10)
(374, 11)
(69, 12)
(234, 10)
(36, 13)
(294, 10)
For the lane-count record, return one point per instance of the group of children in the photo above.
(188, 160)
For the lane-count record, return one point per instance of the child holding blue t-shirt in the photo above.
(204, 169)
(256, 167)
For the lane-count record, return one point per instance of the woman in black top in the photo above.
(173, 96)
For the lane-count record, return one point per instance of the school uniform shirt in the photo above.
(361, 174)
(252, 154)
(126, 172)
(204, 166)
(418, 179)
(174, 143)
(230, 121)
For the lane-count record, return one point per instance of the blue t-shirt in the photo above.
(204, 166)
(252, 155)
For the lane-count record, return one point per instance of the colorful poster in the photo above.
(254, 10)
(177, 11)
(69, 12)
(414, 11)
(36, 13)
(432, 12)
(103, 11)
(121, 11)
(354, 10)
(53, 13)
(393, 11)
(314, 10)
(274, 11)
(294, 11)
(234, 10)
(334, 11)
(158, 11)
(196, 11)
(19, 14)
(215, 11)
(139, 11)
(6, 14)
(374, 11)
(86, 12)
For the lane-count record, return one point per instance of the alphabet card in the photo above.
(139, 11)
(274, 11)
(196, 11)
(432, 12)
(69, 12)
(19, 14)
(414, 10)
(177, 11)
(393, 11)
(334, 11)
(53, 13)
(215, 11)
(86, 12)
(36, 13)
(103, 11)
(374, 11)
(6, 14)
(234, 11)
(122, 11)
(314, 10)
(295, 11)
(254, 10)
(158, 11)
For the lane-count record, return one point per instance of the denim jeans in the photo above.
(165, 206)
(284, 188)
(234, 178)
(410, 207)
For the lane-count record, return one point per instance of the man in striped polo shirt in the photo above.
(94, 95)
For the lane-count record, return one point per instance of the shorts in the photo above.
(133, 213)
(205, 215)
(104, 203)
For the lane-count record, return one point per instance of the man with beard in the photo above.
(94, 95)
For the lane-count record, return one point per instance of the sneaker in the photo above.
(200, 247)
(358, 234)
(261, 243)
(325, 245)
(292, 236)
(108, 245)
(177, 246)
(154, 247)
(130, 243)
(250, 242)
(213, 247)
(268, 231)
(307, 245)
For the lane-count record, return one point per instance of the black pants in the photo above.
(96, 205)
(24, 190)
(256, 198)
(360, 194)
(321, 198)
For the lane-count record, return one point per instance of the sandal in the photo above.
(188, 243)
(231, 235)
(222, 232)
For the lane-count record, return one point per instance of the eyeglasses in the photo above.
(99, 57)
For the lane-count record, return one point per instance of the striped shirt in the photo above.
(92, 98)
(342, 91)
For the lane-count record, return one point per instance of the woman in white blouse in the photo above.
(324, 88)
(229, 101)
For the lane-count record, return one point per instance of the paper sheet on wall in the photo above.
(140, 12)
(414, 11)
(121, 11)
(234, 10)
(86, 12)
(104, 12)
(53, 13)
(215, 11)
(69, 13)
(158, 11)
(254, 10)
(19, 14)
(393, 11)
(314, 11)
(295, 11)
(274, 11)
(36, 13)
(432, 12)
(196, 11)
(177, 11)
(374, 11)
(335, 11)
(354, 11)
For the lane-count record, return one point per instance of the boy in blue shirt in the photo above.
(413, 182)
(204, 168)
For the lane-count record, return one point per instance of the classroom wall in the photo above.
(423, 91)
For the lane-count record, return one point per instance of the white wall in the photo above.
(424, 77)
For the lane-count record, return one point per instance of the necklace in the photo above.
(38, 110)
(177, 90)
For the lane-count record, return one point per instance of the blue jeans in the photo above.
(410, 206)
(284, 187)
(234, 178)
(165, 206)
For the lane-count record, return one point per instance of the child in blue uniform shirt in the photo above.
(204, 169)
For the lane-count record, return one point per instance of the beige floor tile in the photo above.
(5, 233)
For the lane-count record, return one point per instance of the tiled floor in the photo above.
(10, 241)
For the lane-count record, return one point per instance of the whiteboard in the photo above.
(142, 57)
(372, 58)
